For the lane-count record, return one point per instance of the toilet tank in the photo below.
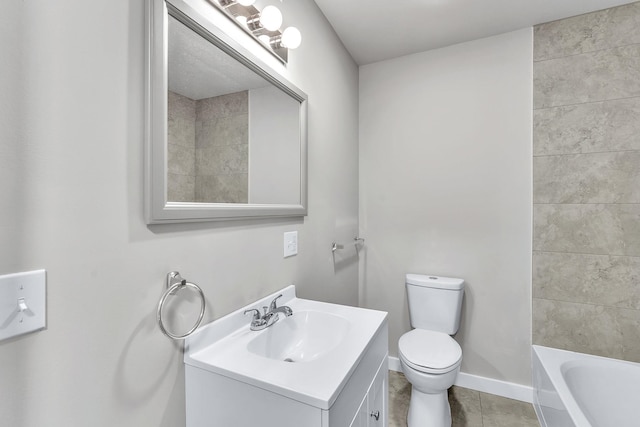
(435, 303)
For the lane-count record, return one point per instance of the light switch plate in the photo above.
(22, 303)
(290, 243)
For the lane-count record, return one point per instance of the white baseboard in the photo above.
(486, 385)
(394, 364)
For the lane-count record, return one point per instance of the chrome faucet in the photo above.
(273, 308)
(260, 322)
(270, 315)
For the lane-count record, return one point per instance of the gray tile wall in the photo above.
(586, 183)
(181, 146)
(222, 149)
(208, 148)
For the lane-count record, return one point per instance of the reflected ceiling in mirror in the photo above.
(222, 119)
(227, 134)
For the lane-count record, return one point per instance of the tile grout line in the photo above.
(588, 203)
(607, 204)
(481, 409)
(588, 303)
(586, 102)
(633, 150)
(584, 253)
(585, 53)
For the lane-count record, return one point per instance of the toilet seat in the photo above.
(429, 351)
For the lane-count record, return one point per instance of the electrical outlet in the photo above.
(290, 243)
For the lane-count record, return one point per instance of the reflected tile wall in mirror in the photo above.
(181, 139)
(208, 148)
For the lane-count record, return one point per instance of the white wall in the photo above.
(72, 179)
(445, 189)
(11, 134)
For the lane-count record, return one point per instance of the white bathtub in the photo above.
(580, 390)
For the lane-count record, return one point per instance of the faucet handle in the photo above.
(273, 304)
(256, 314)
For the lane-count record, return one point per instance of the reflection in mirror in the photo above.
(226, 134)
(232, 136)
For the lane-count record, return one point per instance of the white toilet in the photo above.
(429, 357)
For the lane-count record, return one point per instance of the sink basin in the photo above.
(325, 341)
(302, 337)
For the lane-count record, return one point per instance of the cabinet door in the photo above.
(378, 399)
(362, 417)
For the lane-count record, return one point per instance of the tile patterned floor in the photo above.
(469, 408)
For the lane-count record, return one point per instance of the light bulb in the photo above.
(246, 2)
(242, 20)
(265, 39)
(271, 18)
(291, 38)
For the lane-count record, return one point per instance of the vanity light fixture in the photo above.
(227, 3)
(270, 19)
(265, 39)
(289, 39)
(264, 25)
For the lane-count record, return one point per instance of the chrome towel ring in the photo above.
(175, 283)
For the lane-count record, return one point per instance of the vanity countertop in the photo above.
(222, 347)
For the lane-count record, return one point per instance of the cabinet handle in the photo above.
(375, 415)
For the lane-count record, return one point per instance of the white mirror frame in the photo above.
(158, 210)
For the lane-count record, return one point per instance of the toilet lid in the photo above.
(429, 349)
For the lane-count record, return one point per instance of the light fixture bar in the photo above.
(227, 3)
(256, 23)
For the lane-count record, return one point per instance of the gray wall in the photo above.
(71, 162)
(445, 189)
(586, 264)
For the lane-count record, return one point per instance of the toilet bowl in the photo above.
(430, 361)
(429, 357)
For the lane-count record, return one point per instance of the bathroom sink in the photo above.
(324, 341)
(302, 337)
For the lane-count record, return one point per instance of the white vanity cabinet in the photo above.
(214, 400)
(228, 385)
(373, 410)
(378, 399)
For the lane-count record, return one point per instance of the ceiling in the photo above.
(375, 30)
(198, 69)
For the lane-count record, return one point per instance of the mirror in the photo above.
(226, 134)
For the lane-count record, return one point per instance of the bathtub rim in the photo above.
(552, 360)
